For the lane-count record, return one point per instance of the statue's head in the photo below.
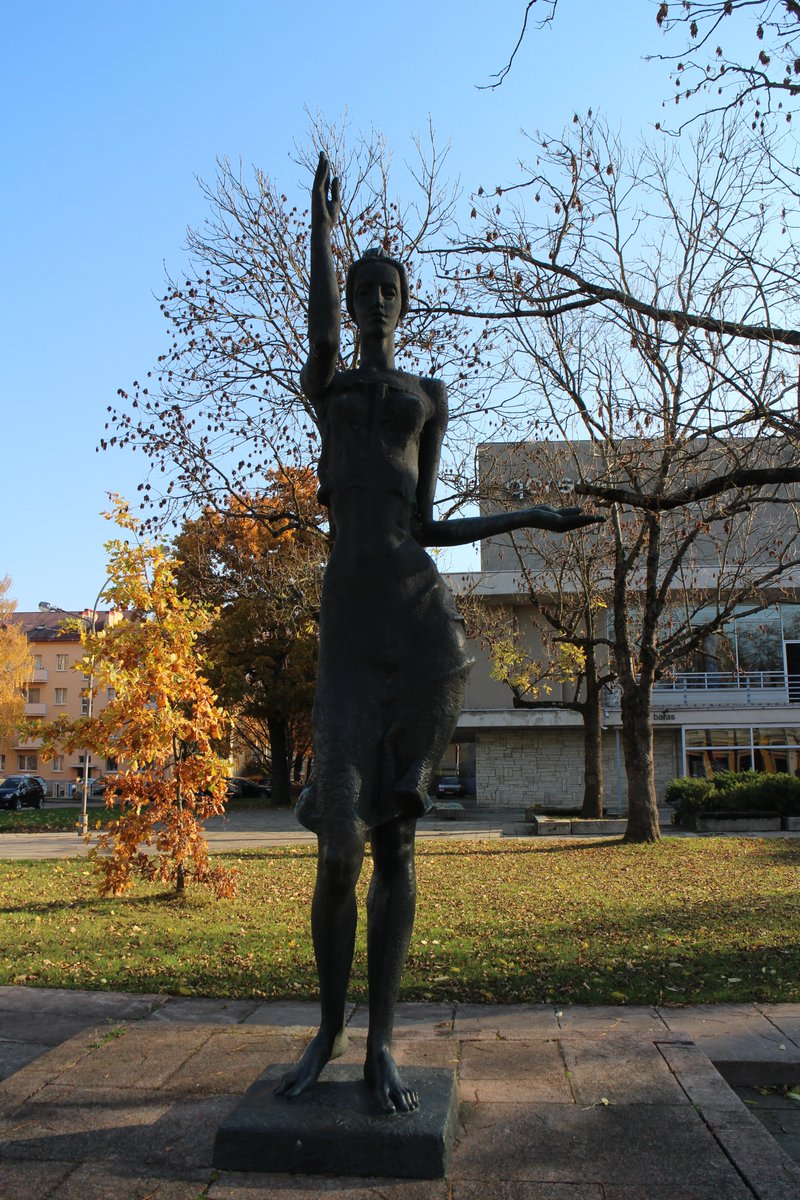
(370, 259)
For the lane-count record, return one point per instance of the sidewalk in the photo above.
(118, 1097)
(256, 829)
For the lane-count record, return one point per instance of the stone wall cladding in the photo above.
(517, 767)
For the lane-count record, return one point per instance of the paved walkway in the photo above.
(118, 1097)
(108, 1096)
(255, 829)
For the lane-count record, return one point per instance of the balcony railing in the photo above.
(38, 675)
(730, 688)
(34, 709)
(27, 743)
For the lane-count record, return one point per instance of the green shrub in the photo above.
(724, 781)
(685, 793)
(736, 792)
(780, 793)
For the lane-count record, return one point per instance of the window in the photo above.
(27, 762)
(111, 693)
(84, 706)
(58, 762)
(112, 764)
(761, 748)
(61, 696)
(37, 661)
(33, 695)
(759, 642)
(62, 662)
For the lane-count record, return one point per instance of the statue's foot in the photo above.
(388, 1089)
(305, 1073)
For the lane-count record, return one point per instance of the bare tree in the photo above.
(760, 78)
(763, 82)
(224, 406)
(680, 412)
(532, 18)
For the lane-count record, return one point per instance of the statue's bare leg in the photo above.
(390, 912)
(333, 927)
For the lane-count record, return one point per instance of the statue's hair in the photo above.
(376, 255)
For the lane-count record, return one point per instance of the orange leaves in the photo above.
(162, 724)
(16, 663)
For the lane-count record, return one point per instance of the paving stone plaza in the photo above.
(108, 1095)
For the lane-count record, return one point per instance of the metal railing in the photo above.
(738, 681)
(698, 688)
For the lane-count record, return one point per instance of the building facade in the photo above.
(57, 686)
(734, 706)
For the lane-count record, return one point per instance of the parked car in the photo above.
(450, 785)
(16, 790)
(240, 788)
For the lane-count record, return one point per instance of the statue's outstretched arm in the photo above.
(461, 530)
(324, 301)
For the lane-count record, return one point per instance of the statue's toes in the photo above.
(294, 1083)
(385, 1102)
(406, 1100)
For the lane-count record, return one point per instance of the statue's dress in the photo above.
(393, 657)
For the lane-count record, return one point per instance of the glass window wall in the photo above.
(744, 748)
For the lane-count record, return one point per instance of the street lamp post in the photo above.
(91, 626)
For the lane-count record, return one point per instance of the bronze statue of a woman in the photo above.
(393, 658)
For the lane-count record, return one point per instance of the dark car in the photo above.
(16, 790)
(240, 788)
(450, 785)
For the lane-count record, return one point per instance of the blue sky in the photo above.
(113, 110)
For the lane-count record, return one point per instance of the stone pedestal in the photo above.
(335, 1130)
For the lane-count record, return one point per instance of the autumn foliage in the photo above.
(15, 663)
(162, 723)
(259, 563)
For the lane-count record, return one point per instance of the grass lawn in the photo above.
(684, 921)
(67, 819)
(49, 820)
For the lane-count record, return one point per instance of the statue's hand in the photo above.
(325, 203)
(560, 520)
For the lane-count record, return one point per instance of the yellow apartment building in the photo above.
(55, 688)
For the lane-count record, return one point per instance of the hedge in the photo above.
(732, 792)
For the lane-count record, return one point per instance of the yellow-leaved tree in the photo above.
(16, 663)
(162, 724)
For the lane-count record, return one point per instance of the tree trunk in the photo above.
(592, 753)
(281, 790)
(637, 745)
(180, 878)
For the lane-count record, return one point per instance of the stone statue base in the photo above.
(335, 1130)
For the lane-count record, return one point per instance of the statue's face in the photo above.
(377, 300)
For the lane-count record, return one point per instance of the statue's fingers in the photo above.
(322, 172)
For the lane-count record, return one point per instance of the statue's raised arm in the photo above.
(324, 301)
